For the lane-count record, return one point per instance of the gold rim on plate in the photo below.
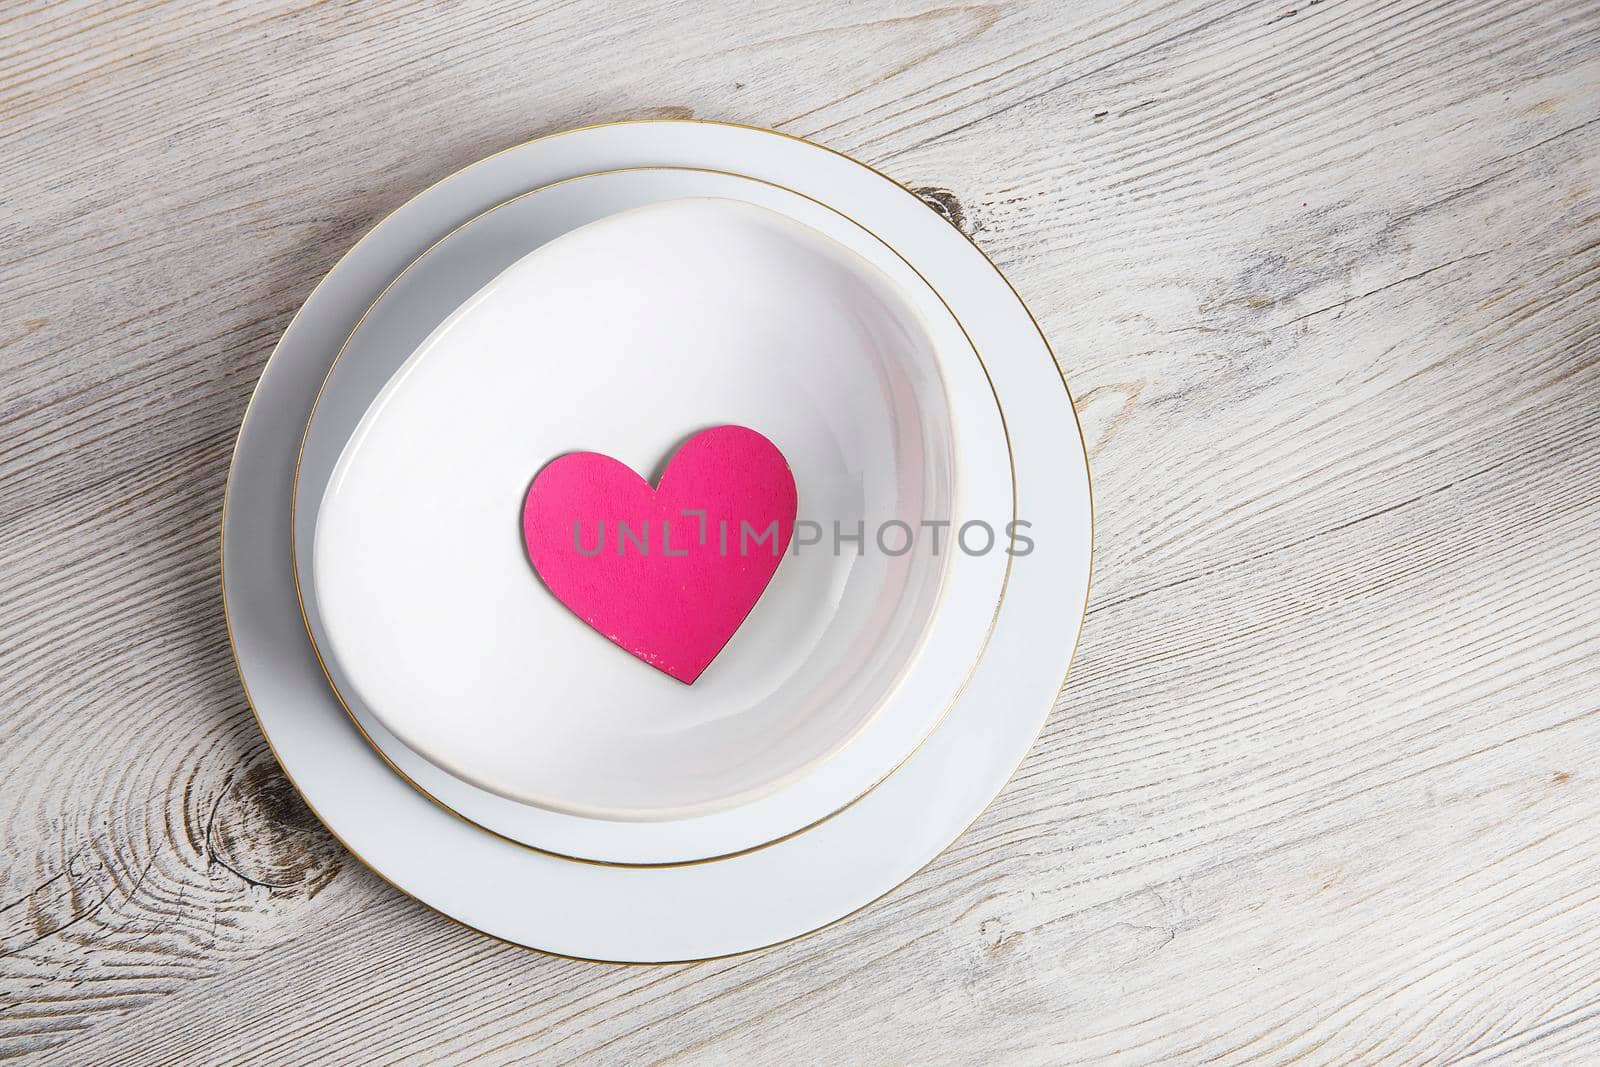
(233, 650)
(316, 650)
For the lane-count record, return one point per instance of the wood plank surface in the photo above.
(1324, 279)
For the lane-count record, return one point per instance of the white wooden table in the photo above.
(1324, 278)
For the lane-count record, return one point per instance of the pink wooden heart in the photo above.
(670, 573)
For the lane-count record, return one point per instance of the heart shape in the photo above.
(668, 574)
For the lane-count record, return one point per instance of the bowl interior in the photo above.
(625, 336)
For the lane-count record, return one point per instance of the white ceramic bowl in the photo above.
(426, 601)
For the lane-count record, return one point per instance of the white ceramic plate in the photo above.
(701, 910)
(426, 294)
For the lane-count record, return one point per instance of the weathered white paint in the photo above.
(1323, 278)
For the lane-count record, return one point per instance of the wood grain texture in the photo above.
(1323, 277)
